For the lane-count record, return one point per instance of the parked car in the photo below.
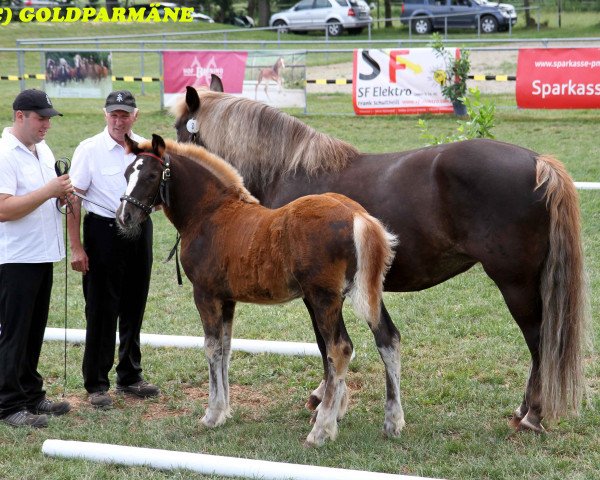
(427, 15)
(17, 5)
(240, 20)
(335, 15)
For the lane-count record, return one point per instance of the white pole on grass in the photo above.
(587, 185)
(250, 346)
(206, 464)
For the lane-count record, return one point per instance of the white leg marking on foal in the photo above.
(394, 415)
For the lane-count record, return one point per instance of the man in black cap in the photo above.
(30, 241)
(116, 270)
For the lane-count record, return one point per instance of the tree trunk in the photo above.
(264, 12)
(388, 13)
(110, 4)
(529, 22)
(251, 8)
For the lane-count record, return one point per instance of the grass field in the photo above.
(464, 361)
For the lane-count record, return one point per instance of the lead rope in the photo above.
(66, 296)
(61, 167)
(175, 251)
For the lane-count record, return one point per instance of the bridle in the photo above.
(163, 188)
(163, 191)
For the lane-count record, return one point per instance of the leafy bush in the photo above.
(478, 124)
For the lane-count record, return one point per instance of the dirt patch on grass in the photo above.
(184, 403)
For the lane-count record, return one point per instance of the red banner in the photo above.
(558, 78)
(195, 68)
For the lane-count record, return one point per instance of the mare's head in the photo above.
(186, 113)
(145, 177)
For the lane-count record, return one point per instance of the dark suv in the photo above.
(426, 15)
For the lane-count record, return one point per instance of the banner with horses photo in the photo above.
(398, 81)
(274, 77)
(78, 74)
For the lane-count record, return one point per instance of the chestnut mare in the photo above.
(268, 74)
(451, 206)
(320, 248)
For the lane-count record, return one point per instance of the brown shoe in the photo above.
(49, 407)
(140, 389)
(100, 399)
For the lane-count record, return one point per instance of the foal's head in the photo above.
(279, 64)
(144, 179)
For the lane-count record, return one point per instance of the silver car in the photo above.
(335, 15)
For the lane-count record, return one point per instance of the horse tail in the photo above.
(563, 289)
(374, 255)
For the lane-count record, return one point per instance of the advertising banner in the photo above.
(398, 81)
(276, 78)
(195, 69)
(78, 74)
(558, 78)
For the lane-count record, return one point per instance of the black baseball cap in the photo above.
(34, 100)
(120, 100)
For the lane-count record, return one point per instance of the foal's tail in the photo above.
(374, 254)
(563, 289)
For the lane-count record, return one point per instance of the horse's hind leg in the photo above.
(327, 311)
(315, 397)
(387, 339)
(211, 312)
(524, 303)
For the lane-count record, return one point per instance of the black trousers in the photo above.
(115, 290)
(24, 302)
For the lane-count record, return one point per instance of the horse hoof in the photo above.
(526, 425)
(313, 402)
(213, 420)
(392, 429)
(514, 422)
(314, 441)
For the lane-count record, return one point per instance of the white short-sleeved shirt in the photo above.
(98, 168)
(38, 236)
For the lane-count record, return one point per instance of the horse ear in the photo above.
(216, 85)
(131, 146)
(158, 144)
(192, 100)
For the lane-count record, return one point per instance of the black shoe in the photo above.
(23, 418)
(49, 407)
(140, 389)
(100, 400)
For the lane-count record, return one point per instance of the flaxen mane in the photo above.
(289, 144)
(223, 171)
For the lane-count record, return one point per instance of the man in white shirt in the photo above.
(31, 240)
(116, 270)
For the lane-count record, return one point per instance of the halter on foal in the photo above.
(268, 74)
(320, 248)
